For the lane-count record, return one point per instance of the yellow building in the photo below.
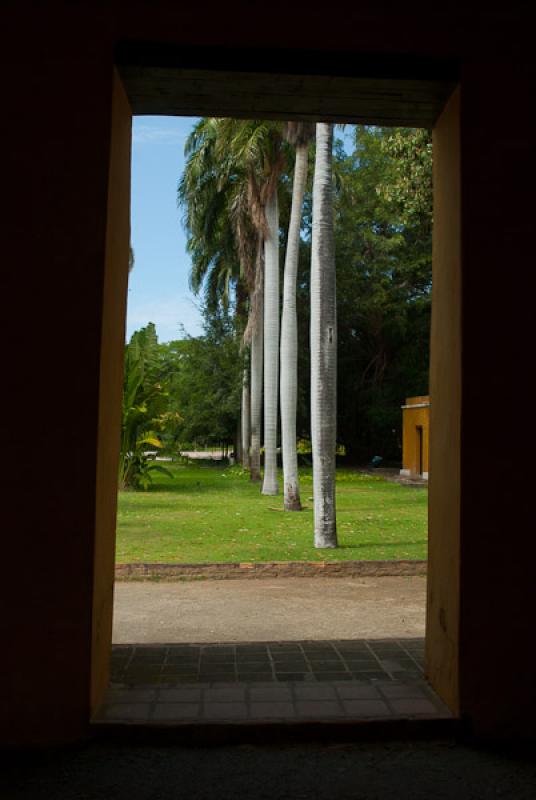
(415, 436)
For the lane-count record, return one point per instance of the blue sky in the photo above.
(158, 287)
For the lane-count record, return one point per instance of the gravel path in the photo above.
(283, 609)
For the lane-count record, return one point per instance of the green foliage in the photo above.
(144, 409)
(408, 183)
(178, 394)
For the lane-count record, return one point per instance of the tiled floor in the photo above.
(271, 661)
(272, 681)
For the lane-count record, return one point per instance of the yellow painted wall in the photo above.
(412, 418)
(443, 607)
(110, 389)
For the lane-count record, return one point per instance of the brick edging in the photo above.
(269, 569)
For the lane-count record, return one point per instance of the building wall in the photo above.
(413, 418)
(59, 62)
(55, 182)
(443, 589)
(110, 389)
(497, 544)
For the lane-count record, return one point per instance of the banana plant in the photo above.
(142, 399)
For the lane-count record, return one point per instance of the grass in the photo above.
(208, 513)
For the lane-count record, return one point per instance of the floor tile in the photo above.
(252, 658)
(127, 711)
(175, 711)
(181, 677)
(216, 674)
(293, 676)
(260, 677)
(180, 667)
(413, 707)
(330, 676)
(317, 692)
(270, 680)
(361, 709)
(223, 658)
(149, 652)
(318, 709)
(235, 694)
(358, 692)
(272, 694)
(406, 674)
(230, 711)
(272, 710)
(401, 690)
(131, 695)
(179, 695)
(369, 676)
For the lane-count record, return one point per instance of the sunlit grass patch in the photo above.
(209, 513)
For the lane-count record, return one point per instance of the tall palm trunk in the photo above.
(256, 398)
(271, 344)
(323, 343)
(289, 338)
(245, 418)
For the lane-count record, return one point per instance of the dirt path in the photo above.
(269, 610)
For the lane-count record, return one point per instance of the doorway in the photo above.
(98, 655)
(420, 450)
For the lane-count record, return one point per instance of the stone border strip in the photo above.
(269, 569)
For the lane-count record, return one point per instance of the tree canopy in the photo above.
(383, 261)
(188, 391)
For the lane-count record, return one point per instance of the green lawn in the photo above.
(209, 513)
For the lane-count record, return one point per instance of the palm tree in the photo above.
(245, 416)
(232, 176)
(212, 194)
(257, 145)
(223, 219)
(204, 194)
(271, 343)
(323, 343)
(257, 350)
(298, 134)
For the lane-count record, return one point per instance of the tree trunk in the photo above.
(289, 338)
(323, 343)
(245, 417)
(271, 345)
(237, 444)
(256, 398)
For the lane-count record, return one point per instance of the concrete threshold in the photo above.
(205, 734)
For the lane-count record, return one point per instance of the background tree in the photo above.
(204, 386)
(408, 153)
